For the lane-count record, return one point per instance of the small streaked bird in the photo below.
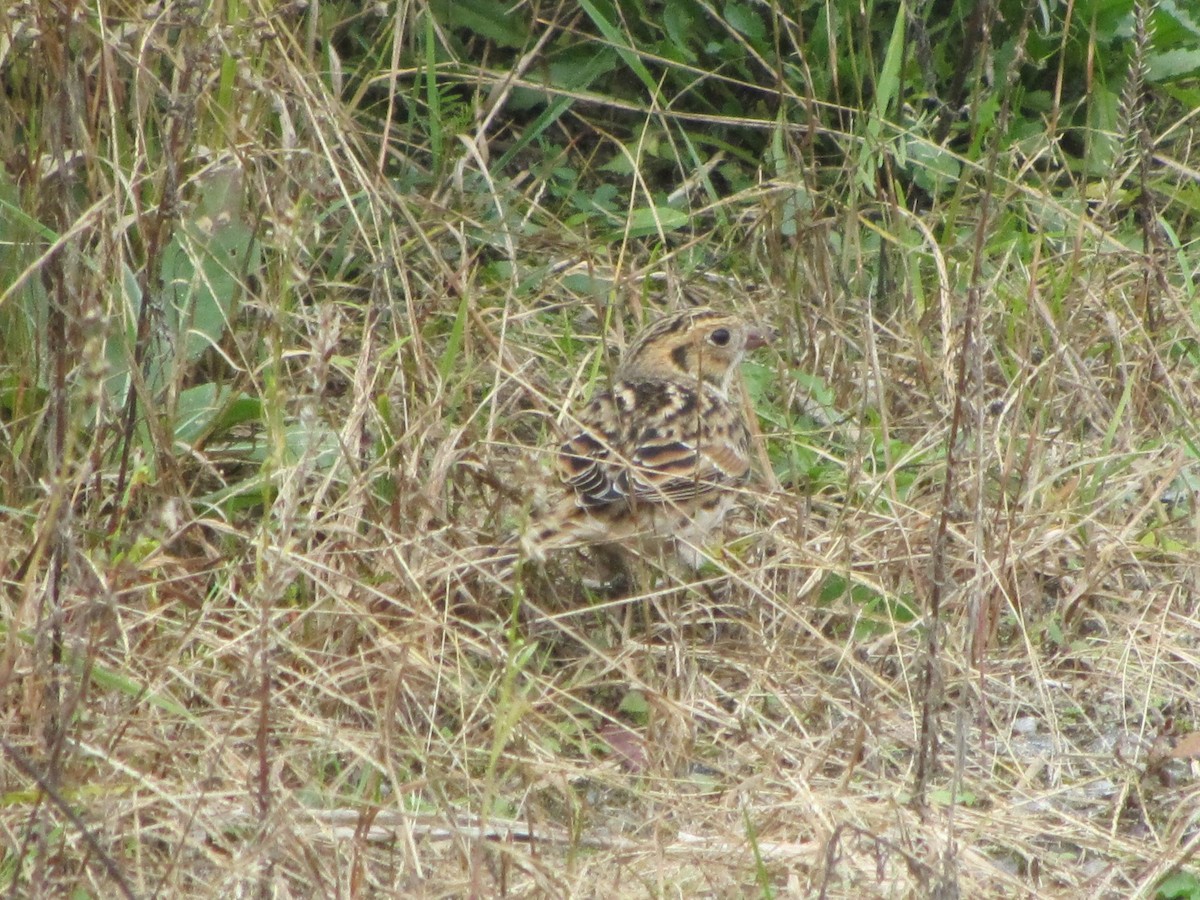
(661, 453)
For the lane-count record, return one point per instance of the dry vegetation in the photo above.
(950, 646)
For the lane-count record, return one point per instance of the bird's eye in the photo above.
(720, 337)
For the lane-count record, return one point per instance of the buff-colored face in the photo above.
(699, 344)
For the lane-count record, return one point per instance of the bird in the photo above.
(658, 455)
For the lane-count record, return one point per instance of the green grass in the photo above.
(294, 299)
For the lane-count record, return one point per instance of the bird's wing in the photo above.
(652, 441)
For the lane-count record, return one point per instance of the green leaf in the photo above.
(600, 64)
(1173, 64)
(202, 272)
(680, 21)
(888, 86)
(747, 21)
(491, 19)
(635, 705)
(648, 220)
(1179, 886)
(933, 168)
(209, 409)
(449, 358)
(943, 797)
(619, 40)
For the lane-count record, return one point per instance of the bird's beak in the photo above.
(760, 337)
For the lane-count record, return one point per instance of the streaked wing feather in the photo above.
(589, 460)
(679, 470)
(642, 442)
(729, 455)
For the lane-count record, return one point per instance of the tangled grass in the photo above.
(269, 376)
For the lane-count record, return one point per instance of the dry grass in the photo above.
(954, 652)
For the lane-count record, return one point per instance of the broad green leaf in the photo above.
(648, 220)
(202, 272)
(504, 23)
(746, 20)
(209, 409)
(1173, 64)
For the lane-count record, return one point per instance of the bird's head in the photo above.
(699, 343)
